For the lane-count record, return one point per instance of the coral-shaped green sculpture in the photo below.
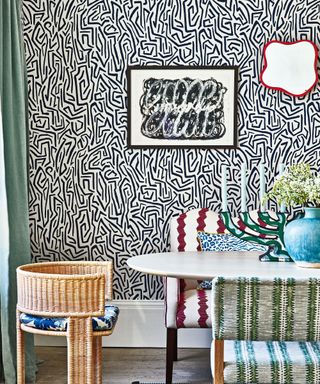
(266, 228)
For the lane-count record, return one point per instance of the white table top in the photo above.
(206, 265)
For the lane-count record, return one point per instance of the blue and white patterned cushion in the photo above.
(103, 323)
(205, 284)
(227, 242)
(224, 242)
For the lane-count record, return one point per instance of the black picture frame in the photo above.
(136, 77)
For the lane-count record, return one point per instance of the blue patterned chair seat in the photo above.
(103, 323)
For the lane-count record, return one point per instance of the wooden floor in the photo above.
(124, 365)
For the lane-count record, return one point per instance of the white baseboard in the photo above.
(141, 324)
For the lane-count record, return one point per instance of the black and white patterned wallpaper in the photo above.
(91, 197)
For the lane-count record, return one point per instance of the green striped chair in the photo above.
(266, 331)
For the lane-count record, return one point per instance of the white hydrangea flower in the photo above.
(297, 186)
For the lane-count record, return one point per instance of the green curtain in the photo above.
(14, 134)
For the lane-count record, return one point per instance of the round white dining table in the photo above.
(206, 265)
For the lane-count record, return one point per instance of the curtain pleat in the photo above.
(14, 183)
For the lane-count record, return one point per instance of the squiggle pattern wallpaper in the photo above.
(91, 197)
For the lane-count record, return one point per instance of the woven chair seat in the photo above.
(103, 323)
(259, 362)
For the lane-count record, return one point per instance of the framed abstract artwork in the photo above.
(182, 107)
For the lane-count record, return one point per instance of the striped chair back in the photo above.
(184, 230)
(279, 309)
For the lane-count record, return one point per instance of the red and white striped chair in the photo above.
(185, 306)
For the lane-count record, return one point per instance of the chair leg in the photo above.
(80, 351)
(20, 353)
(218, 361)
(97, 359)
(175, 352)
(171, 353)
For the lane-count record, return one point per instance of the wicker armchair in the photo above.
(266, 331)
(67, 299)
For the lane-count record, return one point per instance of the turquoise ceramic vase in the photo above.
(302, 239)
